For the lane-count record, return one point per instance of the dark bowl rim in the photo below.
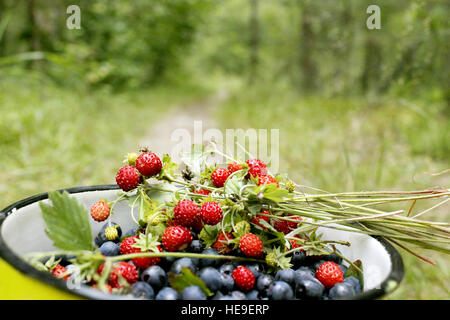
(387, 286)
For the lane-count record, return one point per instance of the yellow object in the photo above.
(15, 285)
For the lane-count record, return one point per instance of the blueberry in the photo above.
(155, 276)
(304, 272)
(308, 288)
(263, 283)
(167, 262)
(316, 265)
(183, 262)
(332, 256)
(101, 237)
(167, 293)
(196, 247)
(193, 293)
(227, 268)
(280, 290)
(227, 297)
(131, 232)
(109, 249)
(298, 258)
(238, 295)
(286, 275)
(253, 295)
(227, 282)
(142, 290)
(342, 290)
(354, 282)
(211, 277)
(209, 262)
(343, 268)
(256, 268)
(217, 296)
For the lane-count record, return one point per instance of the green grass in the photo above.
(348, 144)
(52, 138)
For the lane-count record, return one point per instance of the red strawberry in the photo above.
(148, 164)
(221, 245)
(294, 245)
(100, 211)
(127, 247)
(267, 180)
(197, 225)
(176, 238)
(329, 273)
(234, 166)
(286, 226)
(243, 278)
(202, 191)
(124, 269)
(262, 216)
(219, 176)
(256, 168)
(58, 272)
(185, 213)
(128, 178)
(211, 213)
(251, 245)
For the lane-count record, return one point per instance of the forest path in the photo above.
(171, 132)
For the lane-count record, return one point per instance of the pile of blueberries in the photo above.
(298, 282)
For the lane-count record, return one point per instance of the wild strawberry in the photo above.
(124, 269)
(286, 226)
(148, 164)
(127, 247)
(58, 272)
(176, 238)
(234, 166)
(243, 278)
(262, 216)
(100, 211)
(219, 176)
(256, 168)
(202, 191)
(251, 245)
(211, 213)
(294, 245)
(185, 213)
(267, 180)
(329, 273)
(221, 245)
(127, 178)
(197, 224)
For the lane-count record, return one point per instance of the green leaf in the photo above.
(67, 222)
(186, 279)
(208, 235)
(147, 242)
(234, 184)
(168, 167)
(352, 271)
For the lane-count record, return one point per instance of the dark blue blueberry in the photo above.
(298, 258)
(227, 268)
(227, 297)
(101, 237)
(167, 293)
(304, 272)
(131, 232)
(196, 247)
(227, 282)
(263, 284)
(308, 288)
(354, 282)
(212, 278)
(217, 296)
(280, 290)
(253, 295)
(155, 276)
(109, 249)
(286, 275)
(256, 268)
(209, 262)
(167, 262)
(342, 290)
(142, 290)
(343, 268)
(238, 295)
(183, 262)
(193, 293)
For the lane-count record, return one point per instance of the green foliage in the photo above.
(67, 222)
(186, 279)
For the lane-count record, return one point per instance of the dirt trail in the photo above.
(162, 137)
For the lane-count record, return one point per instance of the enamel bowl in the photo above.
(383, 265)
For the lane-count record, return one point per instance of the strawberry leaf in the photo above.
(67, 222)
(186, 279)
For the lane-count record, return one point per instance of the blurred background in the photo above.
(357, 109)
